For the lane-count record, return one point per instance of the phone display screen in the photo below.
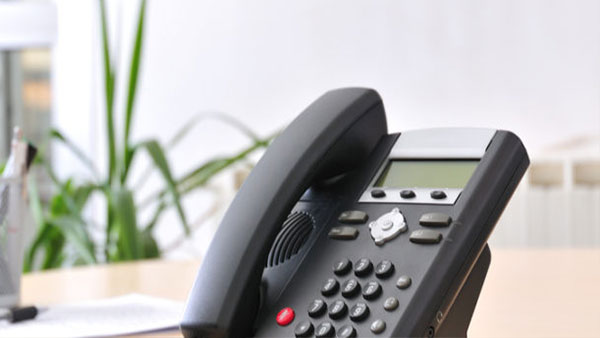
(427, 173)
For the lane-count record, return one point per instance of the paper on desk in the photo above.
(122, 315)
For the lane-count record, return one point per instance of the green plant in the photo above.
(64, 233)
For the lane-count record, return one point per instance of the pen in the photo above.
(19, 314)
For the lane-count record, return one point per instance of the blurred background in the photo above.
(216, 79)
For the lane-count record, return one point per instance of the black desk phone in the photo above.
(344, 230)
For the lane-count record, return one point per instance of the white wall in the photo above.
(529, 66)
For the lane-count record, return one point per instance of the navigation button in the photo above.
(353, 217)
(387, 227)
(435, 219)
(425, 236)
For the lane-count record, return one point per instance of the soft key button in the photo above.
(353, 217)
(435, 219)
(388, 226)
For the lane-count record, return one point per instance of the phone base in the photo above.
(459, 317)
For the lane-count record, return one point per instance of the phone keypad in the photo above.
(359, 310)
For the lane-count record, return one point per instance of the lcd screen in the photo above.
(427, 174)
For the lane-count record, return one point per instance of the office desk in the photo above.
(528, 292)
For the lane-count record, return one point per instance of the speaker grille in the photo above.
(290, 239)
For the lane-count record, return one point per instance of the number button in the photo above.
(338, 309)
(303, 329)
(359, 312)
(330, 287)
(384, 269)
(372, 290)
(325, 330)
(363, 267)
(346, 331)
(350, 288)
(342, 267)
(317, 308)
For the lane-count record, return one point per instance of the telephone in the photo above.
(345, 230)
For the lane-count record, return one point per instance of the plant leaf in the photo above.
(150, 247)
(81, 195)
(189, 125)
(74, 230)
(35, 204)
(158, 157)
(42, 236)
(109, 89)
(201, 175)
(136, 58)
(123, 207)
(53, 248)
(162, 206)
(225, 118)
(57, 135)
(134, 69)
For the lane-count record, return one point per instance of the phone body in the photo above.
(345, 230)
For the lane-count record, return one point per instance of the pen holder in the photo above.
(12, 226)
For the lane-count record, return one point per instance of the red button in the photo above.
(285, 316)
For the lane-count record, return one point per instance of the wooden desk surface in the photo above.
(527, 293)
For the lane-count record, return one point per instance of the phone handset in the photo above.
(332, 136)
